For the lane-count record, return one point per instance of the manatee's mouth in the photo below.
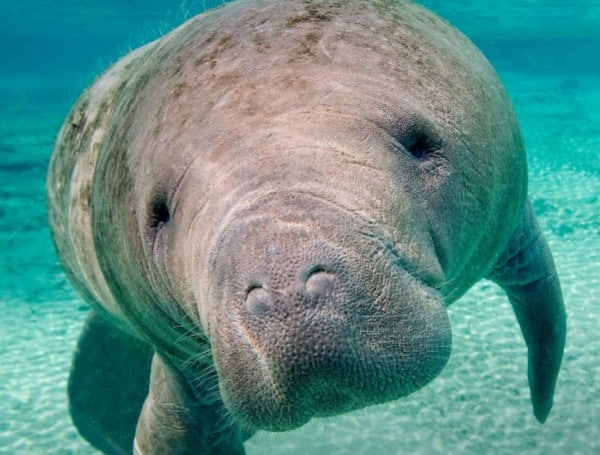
(279, 370)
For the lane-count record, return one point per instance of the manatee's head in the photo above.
(329, 176)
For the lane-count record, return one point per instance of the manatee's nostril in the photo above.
(258, 300)
(320, 282)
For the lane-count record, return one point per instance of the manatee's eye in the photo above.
(422, 146)
(159, 214)
(419, 137)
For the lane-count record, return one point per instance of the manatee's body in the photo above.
(279, 199)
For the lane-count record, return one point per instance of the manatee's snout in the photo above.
(319, 285)
(316, 319)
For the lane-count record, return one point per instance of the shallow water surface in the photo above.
(547, 53)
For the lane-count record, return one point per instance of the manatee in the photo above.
(269, 210)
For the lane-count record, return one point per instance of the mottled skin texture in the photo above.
(279, 199)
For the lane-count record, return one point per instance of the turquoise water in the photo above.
(547, 53)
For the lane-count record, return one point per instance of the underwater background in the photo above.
(547, 52)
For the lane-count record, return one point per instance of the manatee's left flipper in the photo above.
(175, 420)
(526, 272)
(108, 383)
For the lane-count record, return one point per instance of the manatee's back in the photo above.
(70, 176)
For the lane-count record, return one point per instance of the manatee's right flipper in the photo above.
(108, 384)
(526, 272)
(175, 420)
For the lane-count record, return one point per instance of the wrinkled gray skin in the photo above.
(277, 201)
